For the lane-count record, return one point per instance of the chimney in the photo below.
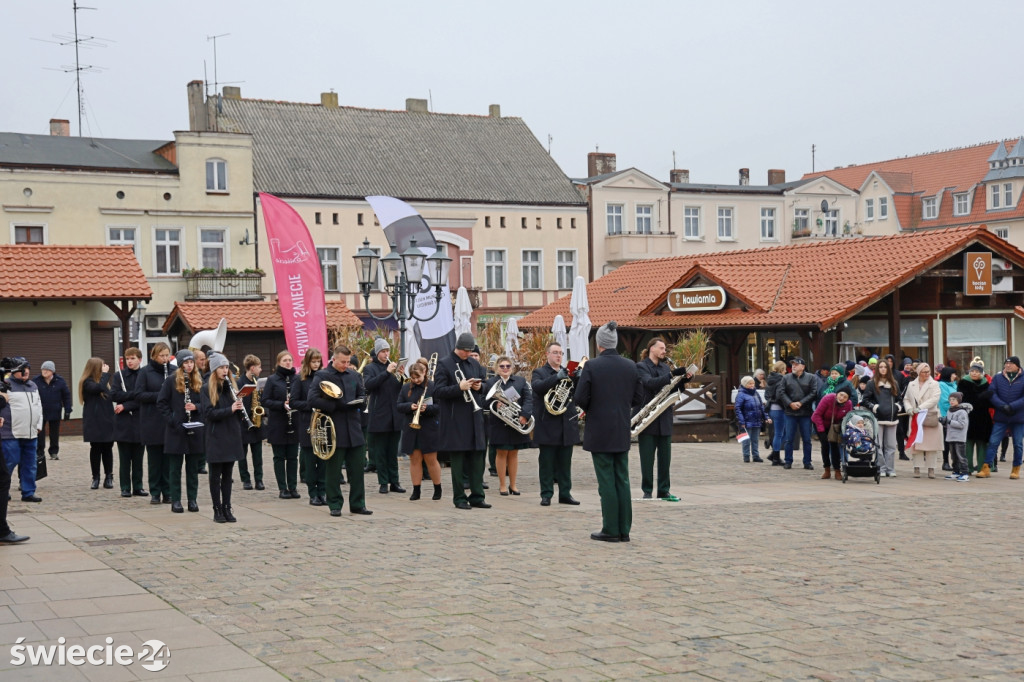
(232, 92)
(329, 100)
(60, 127)
(198, 114)
(744, 176)
(599, 163)
(416, 106)
(679, 175)
(494, 111)
(776, 176)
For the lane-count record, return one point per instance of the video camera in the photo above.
(8, 365)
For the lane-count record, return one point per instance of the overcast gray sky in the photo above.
(723, 84)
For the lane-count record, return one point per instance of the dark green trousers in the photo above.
(286, 463)
(129, 456)
(555, 463)
(649, 447)
(383, 449)
(467, 463)
(316, 472)
(257, 462)
(191, 462)
(612, 471)
(353, 459)
(157, 462)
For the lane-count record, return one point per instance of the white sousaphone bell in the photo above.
(210, 338)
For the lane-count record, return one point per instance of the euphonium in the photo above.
(257, 410)
(506, 410)
(431, 366)
(556, 400)
(321, 426)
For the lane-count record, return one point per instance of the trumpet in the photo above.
(506, 410)
(322, 435)
(431, 366)
(467, 395)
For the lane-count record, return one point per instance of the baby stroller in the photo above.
(860, 454)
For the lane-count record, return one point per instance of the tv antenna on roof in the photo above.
(216, 83)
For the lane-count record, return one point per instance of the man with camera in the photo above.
(22, 418)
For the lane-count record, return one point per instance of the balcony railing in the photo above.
(218, 286)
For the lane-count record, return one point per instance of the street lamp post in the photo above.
(406, 275)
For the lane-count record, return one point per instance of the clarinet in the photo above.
(234, 397)
(288, 397)
(124, 387)
(165, 371)
(188, 399)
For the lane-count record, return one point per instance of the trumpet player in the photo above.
(345, 412)
(457, 389)
(420, 444)
(555, 435)
(252, 439)
(182, 444)
(220, 409)
(314, 466)
(282, 430)
(383, 383)
(656, 439)
(507, 441)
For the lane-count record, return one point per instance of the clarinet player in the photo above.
(282, 426)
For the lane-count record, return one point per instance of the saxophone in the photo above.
(257, 410)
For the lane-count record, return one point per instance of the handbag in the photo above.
(931, 418)
(40, 465)
(833, 433)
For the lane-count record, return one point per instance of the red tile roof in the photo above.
(928, 175)
(813, 284)
(248, 316)
(71, 273)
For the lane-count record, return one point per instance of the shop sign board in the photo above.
(696, 299)
(977, 273)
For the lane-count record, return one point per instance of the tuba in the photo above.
(321, 431)
(506, 410)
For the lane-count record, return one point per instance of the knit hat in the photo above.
(842, 369)
(476, 349)
(48, 365)
(1013, 359)
(957, 396)
(465, 342)
(182, 355)
(978, 364)
(946, 374)
(844, 389)
(859, 371)
(379, 345)
(850, 364)
(906, 361)
(217, 360)
(873, 360)
(607, 337)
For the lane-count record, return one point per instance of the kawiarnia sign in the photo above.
(696, 299)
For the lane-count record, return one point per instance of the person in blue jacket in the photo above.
(1007, 397)
(55, 395)
(750, 417)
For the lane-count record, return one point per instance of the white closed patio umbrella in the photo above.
(579, 332)
(511, 337)
(463, 312)
(558, 331)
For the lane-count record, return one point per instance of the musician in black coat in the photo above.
(315, 468)
(506, 440)
(462, 422)
(282, 429)
(179, 404)
(382, 382)
(604, 392)
(555, 435)
(656, 439)
(127, 433)
(252, 439)
(151, 423)
(98, 419)
(345, 412)
(224, 427)
(420, 444)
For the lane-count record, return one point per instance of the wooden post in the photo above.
(894, 325)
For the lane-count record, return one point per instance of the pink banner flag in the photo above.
(300, 284)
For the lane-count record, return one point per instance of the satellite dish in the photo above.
(824, 205)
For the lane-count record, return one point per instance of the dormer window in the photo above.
(929, 208)
(961, 204)
(995, 196)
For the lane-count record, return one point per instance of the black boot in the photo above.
(95, 484)
(437, 492)
(108, 482)
(218, 514)
(228, 516)
(415, 493)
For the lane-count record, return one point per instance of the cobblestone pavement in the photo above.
(757, 573)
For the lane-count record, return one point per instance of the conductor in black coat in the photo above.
(385, 428)
(151, 423)
(345, 412)
(127, 433)
(462, 422)
(604, 392)
(656, 439)
(555, 435)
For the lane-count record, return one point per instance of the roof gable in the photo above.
(822, 185)
(42, 272)
(631, 178)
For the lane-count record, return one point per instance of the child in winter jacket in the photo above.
(956, 420)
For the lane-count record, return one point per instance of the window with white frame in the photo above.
(330, 267)
(216, 175)
(691, 222)
(802, 219)
(212, 250)
(643, 218)
(725, 223)
(566, 268)
(961, 204)
(494, 265)
(883, 208)
(122, 236)
(995, 196)
(1002, 232)
(768, 232)
(531, 269)
(869, 209)
(929, 208)
(614, 216)
(167, 248)
(1008, 195)
(832, 223)
(29, 234)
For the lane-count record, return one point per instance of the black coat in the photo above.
(462, 427)
(346, 411)
(275, 393)
(382, 390)
(251, 435)
(882, 402)
(979, 422)
(54, 396)
(604, 393)
(426, 438)
(654, 377)
(801, 389)
(147, 390)
(499, 433)
(303, 410)
(177, 439)
(126, 424)
(561, 430)
(98, 411)
(223, 427)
